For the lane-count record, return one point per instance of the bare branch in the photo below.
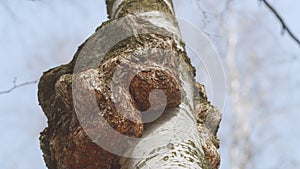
(284, 25)
(15, 86)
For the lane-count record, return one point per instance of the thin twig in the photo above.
(284, 25)
(15, 86)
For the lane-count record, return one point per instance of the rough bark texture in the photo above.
(99, 73)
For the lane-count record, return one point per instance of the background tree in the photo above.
(257, 60)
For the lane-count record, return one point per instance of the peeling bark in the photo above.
(127, 84)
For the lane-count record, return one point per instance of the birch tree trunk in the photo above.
(128, 98)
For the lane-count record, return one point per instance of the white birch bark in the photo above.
(172, 141)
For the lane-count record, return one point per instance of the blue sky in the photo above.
(38, 35)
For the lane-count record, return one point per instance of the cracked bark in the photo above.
(138, 31)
